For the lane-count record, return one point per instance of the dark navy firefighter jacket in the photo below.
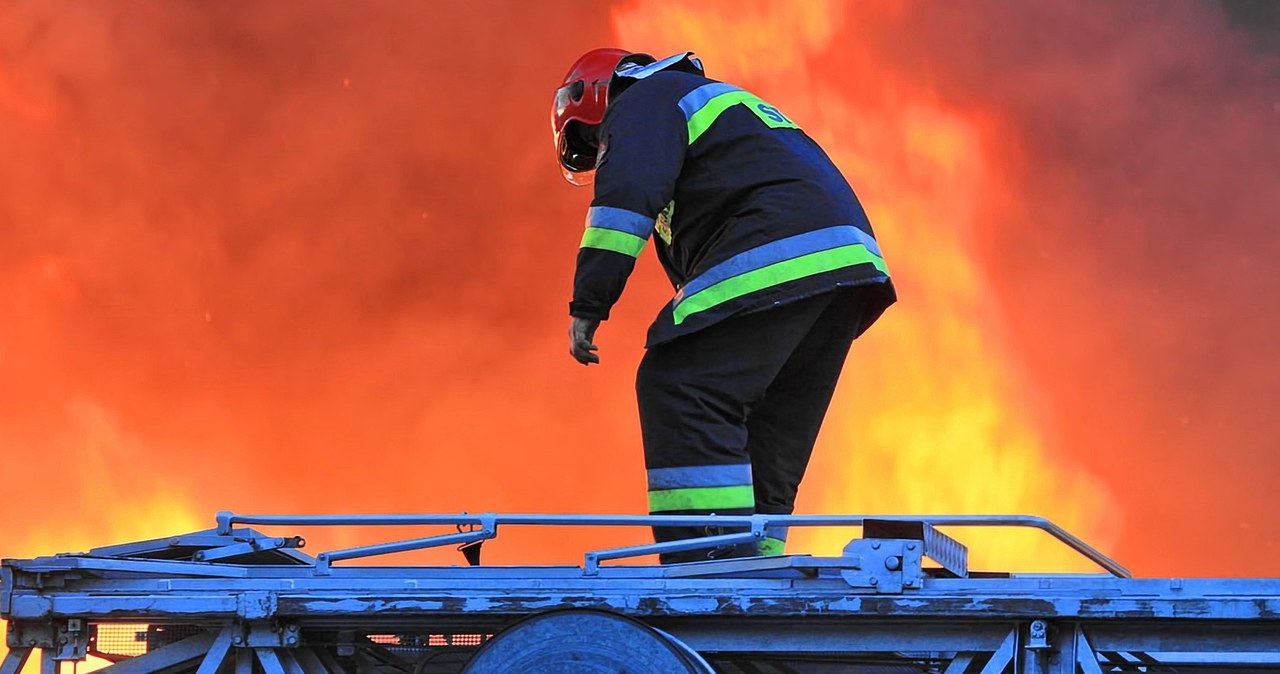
(747, 211)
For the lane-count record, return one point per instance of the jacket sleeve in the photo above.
(644, 136)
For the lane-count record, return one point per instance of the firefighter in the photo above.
(775, 267)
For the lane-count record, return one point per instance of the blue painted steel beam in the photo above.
(665, 600)
(1140, 636)
(823, 635)
(289, 661)
(1086, 657)
(402, 591)
(270, 661)
(14, 660)
(1183, 658)
(244, 661)
(959, 664)
(177, 653)
(167, 568)
(310, 661)
(1003, 655)
(217, 652)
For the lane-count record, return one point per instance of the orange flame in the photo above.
(265, 261)
(932, 415)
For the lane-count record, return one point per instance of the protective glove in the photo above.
(582, 333)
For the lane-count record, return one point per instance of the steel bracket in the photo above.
(1038, 635)
(65, 640)
(6, 587)
(269, 634)
(73, 640)
(346, 643)
(31, 635)
(885, 565)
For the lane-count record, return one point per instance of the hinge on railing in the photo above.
(884, 565)
(248, 547)
(890, 554)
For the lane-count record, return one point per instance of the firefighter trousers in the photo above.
(729, 414)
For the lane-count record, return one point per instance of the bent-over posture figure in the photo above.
(775, 266)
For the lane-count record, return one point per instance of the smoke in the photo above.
(1129, 249)
(1076, 200)
(257, 257)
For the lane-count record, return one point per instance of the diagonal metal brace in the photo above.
(217, 652)
(187, 650)
(591, 562)
(14, 660)
(1086, 657)
(270, 660)
(1003, 655)
(488, 529)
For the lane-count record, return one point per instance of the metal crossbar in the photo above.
(487, 524)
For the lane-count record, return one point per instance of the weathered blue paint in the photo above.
(281, 608)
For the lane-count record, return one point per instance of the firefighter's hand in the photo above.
(582, 333)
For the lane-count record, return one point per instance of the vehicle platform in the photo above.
(901, 598)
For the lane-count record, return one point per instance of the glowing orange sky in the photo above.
(269, 259)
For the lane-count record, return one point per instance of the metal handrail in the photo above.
(488, 523)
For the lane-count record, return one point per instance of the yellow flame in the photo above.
(933, 415)
(750, 39)
(110, 496)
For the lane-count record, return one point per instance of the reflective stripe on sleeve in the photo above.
(620, 219)
(616, 229)
(612, 239)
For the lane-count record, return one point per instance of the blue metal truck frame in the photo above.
(237, 601)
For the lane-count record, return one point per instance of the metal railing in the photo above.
(484, 526)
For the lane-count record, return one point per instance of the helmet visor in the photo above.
(578, 146)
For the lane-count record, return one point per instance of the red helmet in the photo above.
(578, 110)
